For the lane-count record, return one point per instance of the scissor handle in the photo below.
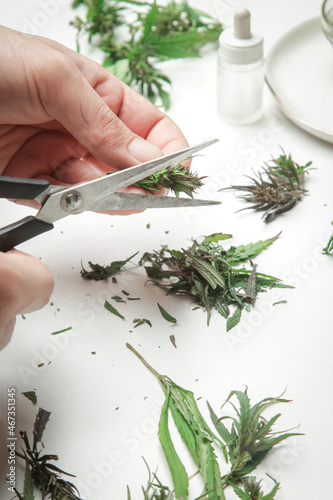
(21, 188)
(21, 231)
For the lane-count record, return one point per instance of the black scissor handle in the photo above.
(21, 231)
(22, 189)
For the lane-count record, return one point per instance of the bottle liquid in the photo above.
(240, 76)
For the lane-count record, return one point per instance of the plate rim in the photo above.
(321, 133)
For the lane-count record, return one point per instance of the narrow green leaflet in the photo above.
(166, 315)
(329, 247)
(62, 331)
(28, 492)
(234, 319)
(177, 469)
(109, 307)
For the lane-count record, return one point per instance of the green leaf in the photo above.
(234, 319)
(236, 255)
(215, 238)
(120, 69)
(213, 483)
(166, 315)
(149, 21)
(112, 310)
(99, 272)
(177, 469)
(62, 331)
(28, 493)
(31, 395)
(142, 321)
(185, 430)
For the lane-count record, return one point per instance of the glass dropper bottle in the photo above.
(240, 76)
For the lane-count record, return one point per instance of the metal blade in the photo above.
(133, 201)
(84, 197)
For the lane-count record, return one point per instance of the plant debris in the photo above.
(99, 273)
(329, 247)
(62, 331)
(206, 273)
(39, 471)
(155, 33)
(139, 322)
(109, 307)
(244, 446)
(276, 189)
(31, 395)
(166, 315)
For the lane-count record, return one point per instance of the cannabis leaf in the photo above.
(251, 437)
(99, 272)
(156, 33)
(277, 188)
(206, 273)
(195, 433)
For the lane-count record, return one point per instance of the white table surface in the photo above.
(105, 406)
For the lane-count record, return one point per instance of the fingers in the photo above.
(25, 286)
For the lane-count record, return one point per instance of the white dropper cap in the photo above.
(238, 45)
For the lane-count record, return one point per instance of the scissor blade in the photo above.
(133, 201)
(116, 181)
(92, 191)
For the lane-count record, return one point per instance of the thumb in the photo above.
(25, 286)
(81, 110)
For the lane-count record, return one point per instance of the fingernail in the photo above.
(143, 150)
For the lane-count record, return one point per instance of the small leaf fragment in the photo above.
(166, 315)
(62, 331)
(112, 309)
(31, 395)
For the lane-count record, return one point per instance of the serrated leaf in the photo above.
(41, 420)
(234, 319)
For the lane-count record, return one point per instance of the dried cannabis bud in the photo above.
(177, 178)
(206, 273)
(39, 471)
(277, 189)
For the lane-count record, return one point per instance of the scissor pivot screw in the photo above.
(71, 202)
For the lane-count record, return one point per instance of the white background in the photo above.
(105, 407)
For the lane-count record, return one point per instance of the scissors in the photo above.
(96, 195)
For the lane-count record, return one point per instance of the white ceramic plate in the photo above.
(300, 75)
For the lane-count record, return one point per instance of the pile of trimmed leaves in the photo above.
(244, 445)
(154, 33)
(276, 189)
(207, 273)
